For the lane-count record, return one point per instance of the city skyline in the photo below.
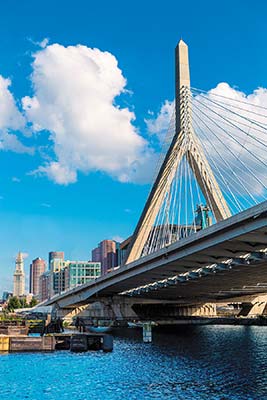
(43, 211)
(44, 266)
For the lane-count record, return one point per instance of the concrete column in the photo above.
(147, 332)
(257, 309)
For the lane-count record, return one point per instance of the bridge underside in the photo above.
(241, 281)
(234, 238)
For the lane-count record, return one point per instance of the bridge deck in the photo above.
(241, 234)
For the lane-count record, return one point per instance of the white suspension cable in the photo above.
(233, 154)
(215, 164)
(221, 128)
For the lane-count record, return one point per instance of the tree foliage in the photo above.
(13, 303)
(33, 302)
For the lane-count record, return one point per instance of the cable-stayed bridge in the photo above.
(202, 236)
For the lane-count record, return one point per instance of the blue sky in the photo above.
(39, 214)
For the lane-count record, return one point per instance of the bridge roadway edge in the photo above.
(248, 221)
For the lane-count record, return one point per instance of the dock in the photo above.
(74, 342)
(16, 336)
(23, 343)
(81, 342)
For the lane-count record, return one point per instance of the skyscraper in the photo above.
(55, 259)
(44, 286)
(96, 256)
(37, 268)
(106, 254)
(19, 277)
(56, 269)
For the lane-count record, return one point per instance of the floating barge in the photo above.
(73, 342)
(23, 343)
(81, 342)
(14, 328)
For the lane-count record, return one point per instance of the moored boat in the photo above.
(99, 329)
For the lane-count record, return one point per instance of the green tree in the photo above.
(13, 303)
(33, 302)
(23, 302)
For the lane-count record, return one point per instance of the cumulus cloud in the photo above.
(43, 43)
(118, 238)
(75, 92)
(11, 120)
(10, 117)
(158, 125)
(59, 173)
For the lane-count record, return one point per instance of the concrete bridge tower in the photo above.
(184, 144)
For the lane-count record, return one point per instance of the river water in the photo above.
(208, 362)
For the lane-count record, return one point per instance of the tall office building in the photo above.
(57, 277)
(106, 254)
(122, 249)
(37, 268)
(6, 296)
(19, 277)
(55, 259)
(44, 286)
(80, 272)
(96, 255)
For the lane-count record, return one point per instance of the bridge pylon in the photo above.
(184, 144)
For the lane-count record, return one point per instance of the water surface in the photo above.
(208, 362)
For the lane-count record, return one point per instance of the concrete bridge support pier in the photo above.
(254, 308)
(147, 332)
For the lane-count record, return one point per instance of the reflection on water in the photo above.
(208, 362)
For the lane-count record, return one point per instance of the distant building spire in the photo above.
(19, 257)
(19, 277)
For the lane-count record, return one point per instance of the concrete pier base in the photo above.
(147, 332)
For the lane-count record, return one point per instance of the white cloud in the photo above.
(75, 89)
(159, 124)
(10, 117)
(10, 141)
(11, 120)
(118, 238)
(43, 43)
(61, 174)
(15, 179)
(46, 205)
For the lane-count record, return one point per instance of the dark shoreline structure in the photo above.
(12, 328)
(74, 342)
(14, 338)
(257, 321)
